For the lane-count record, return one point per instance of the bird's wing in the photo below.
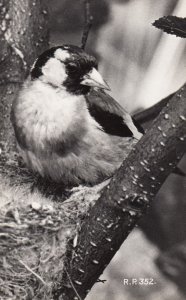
(111, 115)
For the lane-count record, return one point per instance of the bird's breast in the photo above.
(58, 138)
(45, 117)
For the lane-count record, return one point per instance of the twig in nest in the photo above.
(88, 23)
(78, 296)
(31, 271)
(51, 254)
(101, 280)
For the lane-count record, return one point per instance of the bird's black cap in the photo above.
(75, 54)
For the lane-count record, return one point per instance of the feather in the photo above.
(111, 115)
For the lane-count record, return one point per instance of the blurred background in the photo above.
(142, 65)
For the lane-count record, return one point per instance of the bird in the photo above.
(67, 127)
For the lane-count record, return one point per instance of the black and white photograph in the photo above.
(92, 150)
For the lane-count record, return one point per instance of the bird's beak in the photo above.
(94, 79)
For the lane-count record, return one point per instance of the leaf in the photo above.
(172, 25)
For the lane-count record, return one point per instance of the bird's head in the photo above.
(68, 67)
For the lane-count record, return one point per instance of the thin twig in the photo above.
(31, 271)
(72, 284)
(88, 23)
(101, 280)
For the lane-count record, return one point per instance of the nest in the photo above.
(33, 239)
(34, 231)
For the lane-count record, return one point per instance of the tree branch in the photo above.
(125, 199)
(88, 23)
(145, 117)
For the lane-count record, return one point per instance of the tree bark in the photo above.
(24, 35)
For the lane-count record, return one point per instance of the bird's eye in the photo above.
(72, 67)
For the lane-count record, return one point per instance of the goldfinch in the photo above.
(67, 128)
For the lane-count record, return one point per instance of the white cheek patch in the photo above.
(54, 72)
(61, 54)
